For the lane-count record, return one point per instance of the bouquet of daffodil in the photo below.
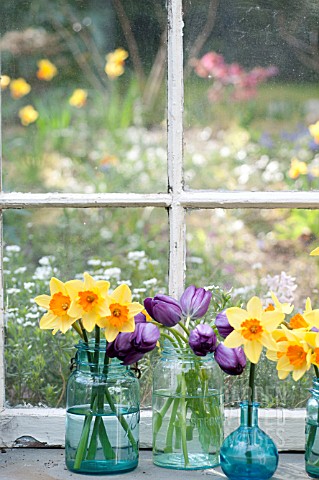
(88, 306)
(188, 385)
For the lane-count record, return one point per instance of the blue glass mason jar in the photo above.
(312, 431)
(102, 414)
(188, 413)
(248, 452)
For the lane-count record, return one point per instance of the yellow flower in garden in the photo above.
(293, 354)
(314, 131)
(28, 115)
(297, 168)
(122, 313)
(252, 328)
(46, 70)
(78, 98)
(19, 88)
(4, 81)
(115, 63)
(91, 300)
(58, 305)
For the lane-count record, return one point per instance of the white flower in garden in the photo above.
(13, 248)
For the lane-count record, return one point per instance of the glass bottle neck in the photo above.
(249, 414)
(185, 354)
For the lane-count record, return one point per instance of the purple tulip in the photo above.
(164, 309)
(140, 318)
(231, 360)
(202, 340)
(195, 302)
(222, 324)
(131, 347)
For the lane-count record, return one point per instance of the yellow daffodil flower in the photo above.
(28, 115)
(58, 305)
(19, 88)
(315, 252)
(314, 131)
(91, 300)
(78, 98)
(122, 313)
(293, 354)
(297, 168)
(252, 328)
(115, 63)
(310, 316)
(46, 70)
(4, 81)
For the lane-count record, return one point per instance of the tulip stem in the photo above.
(77, 328)
(165, 335)
(185, 327)
(179, 337)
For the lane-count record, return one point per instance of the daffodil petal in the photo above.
(122, 294)
(73, 287)
(312, 318)
(128, 326)
(268, 341)
(284, 364)
(75, 310)
(272, 355)
(254, 307)
(282, 374)
(89, 320)
(253, 350)
(110, 333)
(297, 374)
(89, 282)
(271, 320)
(43, 301)
(66, 323)
(233, 340)
(57, 286)
(103, 286)
(49, 320)
(103, 310)
(314, 252)
(308, 306)
(135, 308)
(236, 316)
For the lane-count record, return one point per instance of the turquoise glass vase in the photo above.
(312, 432)
(187, 410)
(248, 452)
(102, 417)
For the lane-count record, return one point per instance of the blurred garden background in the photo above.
(83, 90)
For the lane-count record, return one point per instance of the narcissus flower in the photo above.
(164, 309)
(46, 70)
(58, 305)
(4, 81)
(28, 115)
(78, 98)
(286, 308)
(202, 340)
(314, 131)
(195, 302)
(297, 168)
(122, 313)
(19, 88)
(115, 63)
(315, 252)
(91, 300)
(293, 354)
(252, 328)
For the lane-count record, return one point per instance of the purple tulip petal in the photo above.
(231, 360)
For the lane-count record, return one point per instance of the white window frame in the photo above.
(46, 425)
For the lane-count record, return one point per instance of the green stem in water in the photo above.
(183, 423)
(185, 327)
(251, 394)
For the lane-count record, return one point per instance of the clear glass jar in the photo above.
(312, 431)
(187, 410)
(102, 418)
(248, 452)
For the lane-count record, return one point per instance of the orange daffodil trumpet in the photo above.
(253, 328)
(87, 304)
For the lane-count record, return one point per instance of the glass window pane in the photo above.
(83, 96)
(253, 252)
(39, 244)
(251, 95)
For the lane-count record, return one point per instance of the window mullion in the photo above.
(175, 100)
